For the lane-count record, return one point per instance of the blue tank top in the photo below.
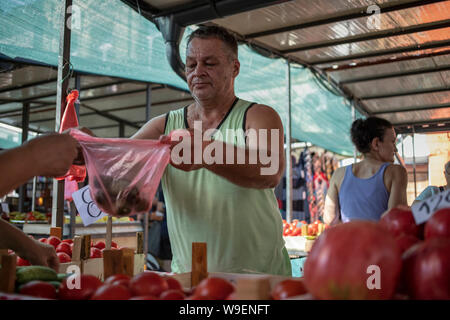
(363, 199)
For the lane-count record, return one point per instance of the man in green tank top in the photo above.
(226, 196)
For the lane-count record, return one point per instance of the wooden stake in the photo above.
(139, 242)
(199, 263)
(108, 233)
(8, 273)
(128, 261)
(77, 248)
(86, 247)
(112, 262)
(56, 232)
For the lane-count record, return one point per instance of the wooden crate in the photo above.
(126, 261)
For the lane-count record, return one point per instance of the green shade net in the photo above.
(111, 39)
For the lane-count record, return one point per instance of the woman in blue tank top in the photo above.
(365, 190)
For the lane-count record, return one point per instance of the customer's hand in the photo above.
(41, 254)
(51, 155)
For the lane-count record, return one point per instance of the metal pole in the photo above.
(25, 124)
(121, 129)
(414, 163)
(288, 150)
(78, 87)
(61, 93)
(353, 119)
(148, 102)
(33, 199)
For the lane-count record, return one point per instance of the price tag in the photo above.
(423, 210)
(89, 212)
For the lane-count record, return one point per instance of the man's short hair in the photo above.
(207, 32)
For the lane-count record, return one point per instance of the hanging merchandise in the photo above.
(310, 186)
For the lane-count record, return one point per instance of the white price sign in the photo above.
(89, 212)
(423, 210)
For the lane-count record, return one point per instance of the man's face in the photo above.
(210, 71)
(388, 146)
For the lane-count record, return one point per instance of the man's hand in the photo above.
(51, 155)
(184, 149)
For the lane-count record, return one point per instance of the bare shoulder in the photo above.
(153, 129)
(396, 170)
(263, 115)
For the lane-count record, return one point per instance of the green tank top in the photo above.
(241, 226)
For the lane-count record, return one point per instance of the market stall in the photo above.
(391, 61)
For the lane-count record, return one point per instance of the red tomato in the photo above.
(312, 229)
(63, 257)
(100, 245)
(39, 289)
(96, 253)
(22, 262)
(43, 240)
(398, 221)
(173, 283)
(342, 259)
(438, 226)
(113, 244)
(288, 288)
(406, 241)
(297, 232)
(54, 241)
(214, 288)
(64, 247)
(122, 279)
(425, 273)
(88, 285)
(172, 294)
(148, 283)
(69, 241)
(111, 292)
(144, 298)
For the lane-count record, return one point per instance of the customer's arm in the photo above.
(50, 155)
(35, 252)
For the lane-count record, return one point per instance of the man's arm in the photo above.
(250, 170)
(33, 251)
(398, 187)
(153, 129)
(331, 214)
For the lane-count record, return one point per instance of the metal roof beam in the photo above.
(403, 94)
(47, 95)
(19, 87)
(385, 61)
(423, 127)
(118, 109)
(348, 15)
(411, 109)
(429, 45)
(373, 36)
(398, 74)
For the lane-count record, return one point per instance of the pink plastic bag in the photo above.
(123, 173)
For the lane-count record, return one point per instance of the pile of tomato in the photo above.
(146, 286)
(295, 228)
